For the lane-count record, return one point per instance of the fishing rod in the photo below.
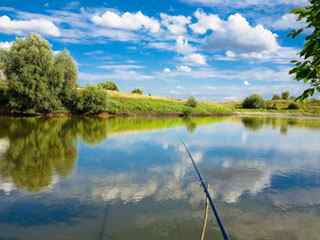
(204, 186)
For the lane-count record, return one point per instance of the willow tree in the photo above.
(38, 79)
(32, 80)
(307, 69)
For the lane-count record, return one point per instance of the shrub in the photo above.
(109, 85)
(191, 102)
(293, 106)
(137, 91)
(91, 100)
(187, 112)
(253, 101)
(285, 95)
(276, 97)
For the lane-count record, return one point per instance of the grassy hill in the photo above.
(135, 104)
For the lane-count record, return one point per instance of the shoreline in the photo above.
(297, 115)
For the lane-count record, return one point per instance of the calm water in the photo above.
(131, 179)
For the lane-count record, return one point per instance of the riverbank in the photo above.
(126, 104)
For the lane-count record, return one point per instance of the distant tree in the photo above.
(285, 95)
(293, 106)
(109, 85)
(253, 101)
(191, 102)
(137, 91)
(308, 68)
(65, 65)
(276, 97)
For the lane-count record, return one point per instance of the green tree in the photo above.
(92, 100)
(253, 101)
(191, 102)
(109, 85)
(33, 83)
(67, 68)
(308, 69)
(276, 97)
(137, 91)
(285, 95)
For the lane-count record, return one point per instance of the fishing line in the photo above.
(204, 186)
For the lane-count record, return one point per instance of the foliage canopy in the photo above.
(308, 68)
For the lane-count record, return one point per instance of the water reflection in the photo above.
(266, 184)
(36, 152)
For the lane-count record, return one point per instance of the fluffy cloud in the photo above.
(283, 55)
(5, 45)
(176, 25)
(235, 34)
(246, 3)
(42, 26)
(246, 83)
(183, 46)
(184, 69)
(195, 58)
(127, 21)
(288, 21)
(167, 70)
(206, 22)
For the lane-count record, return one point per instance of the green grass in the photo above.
(306, 108)
(121, 104)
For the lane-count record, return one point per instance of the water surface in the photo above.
(130, 178)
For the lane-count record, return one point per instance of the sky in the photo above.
(211, 49)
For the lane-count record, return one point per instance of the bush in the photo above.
(187, 112)
(91, 100)
(137, 91)
(254, 101)
(276, 97)
(191, 102)
(109, 85)
(285, 95)
(293, 106)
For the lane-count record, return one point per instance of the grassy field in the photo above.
(306, 108)
(134, 104)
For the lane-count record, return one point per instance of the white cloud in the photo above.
(5, 45)
(41, 26)
(206, 22)
(195, 58)
(176, 25)
(246, 83)
(288, 21)
(283, 55)
(167, 70)
(183, 46)
(247, 3)
(127, 21)
(184, 69)
(237, 35)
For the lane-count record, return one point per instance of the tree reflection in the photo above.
(41, 149)
(38, 150)
(253, 124)
(283, 124)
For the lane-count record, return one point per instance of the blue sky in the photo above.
(210, 49)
